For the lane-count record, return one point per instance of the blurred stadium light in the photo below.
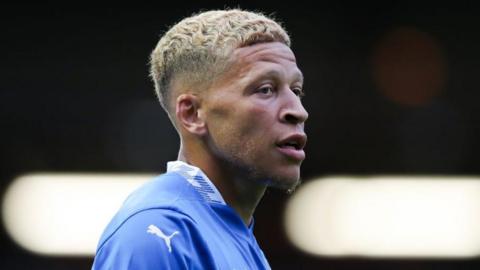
(383, 216)
(64, 214)
(387, 217)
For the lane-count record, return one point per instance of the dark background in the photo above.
(391, 89)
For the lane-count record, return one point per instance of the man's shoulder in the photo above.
(141, 225)
(153, 220)
(151, 238)
(160, 198)
(164, 189)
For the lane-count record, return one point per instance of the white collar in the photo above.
(197, 179)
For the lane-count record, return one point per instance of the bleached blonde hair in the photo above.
(198, 48)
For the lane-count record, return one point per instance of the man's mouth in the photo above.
(292, 146)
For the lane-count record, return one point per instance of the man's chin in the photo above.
(281, 177)
(288, 184)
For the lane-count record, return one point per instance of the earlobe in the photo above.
(188, 112)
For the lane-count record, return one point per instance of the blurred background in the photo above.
(391, 88)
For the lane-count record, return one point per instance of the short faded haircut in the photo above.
(198, 48)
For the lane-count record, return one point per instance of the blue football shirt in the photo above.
(178, 220)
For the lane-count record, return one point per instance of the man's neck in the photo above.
(243, 195)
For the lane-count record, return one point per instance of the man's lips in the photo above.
(292, 146)
(292, 153)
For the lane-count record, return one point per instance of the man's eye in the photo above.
(266, 90)
(298, 91)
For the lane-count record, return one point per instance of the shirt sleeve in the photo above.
(151, 239)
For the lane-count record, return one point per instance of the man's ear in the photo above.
(187, 110)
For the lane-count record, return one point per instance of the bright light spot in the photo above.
(64, 214)
(387, 217)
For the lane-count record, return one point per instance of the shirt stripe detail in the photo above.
(198, 180)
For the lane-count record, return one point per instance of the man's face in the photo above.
(254, 115)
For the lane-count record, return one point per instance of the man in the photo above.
(231, 87)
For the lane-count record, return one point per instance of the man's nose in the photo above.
(293, 111)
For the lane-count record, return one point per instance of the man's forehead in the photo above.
(255, 56)
(266, 51)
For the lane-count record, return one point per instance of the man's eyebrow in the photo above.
(298, 76)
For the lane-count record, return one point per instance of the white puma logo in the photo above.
(155, 230)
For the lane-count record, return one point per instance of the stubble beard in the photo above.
(248, 171)
(238, 160)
